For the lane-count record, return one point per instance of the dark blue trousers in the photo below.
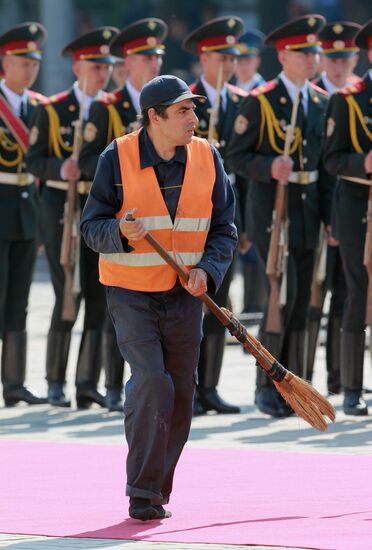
(159, 335)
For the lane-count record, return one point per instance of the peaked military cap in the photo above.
(250, 43)
(218, 35)
(298, 35)
(145, 37)
(92, 46)
(338, 39)
(24, 40)
(363, 38)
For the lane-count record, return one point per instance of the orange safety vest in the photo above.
(143, 269)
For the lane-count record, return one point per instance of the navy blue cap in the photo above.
(299, 35)
(144, 37)
(217, 35)
(24, 40)
(251, 43)
(364, 37)
(92, 46)
(338, 39)
(165, 90)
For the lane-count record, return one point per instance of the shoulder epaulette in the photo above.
(56, 98)
(36, 95)
(110, 97)
(236, 90)
(354, 88)
(319, 89)
(267, 87)
(193, 87)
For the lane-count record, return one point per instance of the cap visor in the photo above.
(182, 97)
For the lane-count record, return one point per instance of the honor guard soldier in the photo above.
(256, 151)
(216, 44)
(157, 171)
(340, 58)
(20, 48)
(141, 46)
(246, 76)
(49, 158)
(348, 155)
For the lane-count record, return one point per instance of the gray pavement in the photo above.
(248, 430)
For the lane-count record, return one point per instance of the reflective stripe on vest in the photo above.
(143, 269)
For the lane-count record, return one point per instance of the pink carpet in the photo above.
(221, 496)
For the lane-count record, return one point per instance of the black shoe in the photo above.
(141, 508)
(13, 395)
(354, 404)
(114, 400)
(197, 409)
(162, 512)
(86, 396)
(56, 395)
(269, 401)
(211, 401)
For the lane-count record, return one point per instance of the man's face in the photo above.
(95, 74)
(143, 68)
(246, 67)
(21, 71)
(299, 66)
(211, 63)
(178, 128)
(339, 69)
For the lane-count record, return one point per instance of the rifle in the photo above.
(368, 257)
(213, 112)
(319, 275)
(277, 258)
(305, 400)
(70, 249)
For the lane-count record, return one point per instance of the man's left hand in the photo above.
(198, 282)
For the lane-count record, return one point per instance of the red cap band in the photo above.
(300, 40)
(16, 45)
(100, 50)
(216, 42)
(141, 44)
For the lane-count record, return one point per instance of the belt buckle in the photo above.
(303, 177)
(22, 178)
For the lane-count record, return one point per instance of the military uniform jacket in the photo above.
(349, 138)
(226, 117)
(109, 118)
(18, 203)
(52, 141)
(258, 138)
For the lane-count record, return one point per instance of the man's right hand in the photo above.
(281, 169)
(70, 170)
(132, 230)
(368, 163)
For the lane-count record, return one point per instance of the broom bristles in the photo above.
(306, 401)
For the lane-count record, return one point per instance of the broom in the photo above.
(305, 400)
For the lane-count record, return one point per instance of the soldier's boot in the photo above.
(113, 365)
(210, 363)
(13, 370)
(58, 346)
(352, 356)
(88, 370)
(312, 333)
(333, 353)
(267, 398)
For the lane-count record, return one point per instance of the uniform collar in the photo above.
(149, 157)
(292, 89)
(14, 100)
(88, 100)
(329, 86)
(251, 83)
(134, 95)
(212, 92)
